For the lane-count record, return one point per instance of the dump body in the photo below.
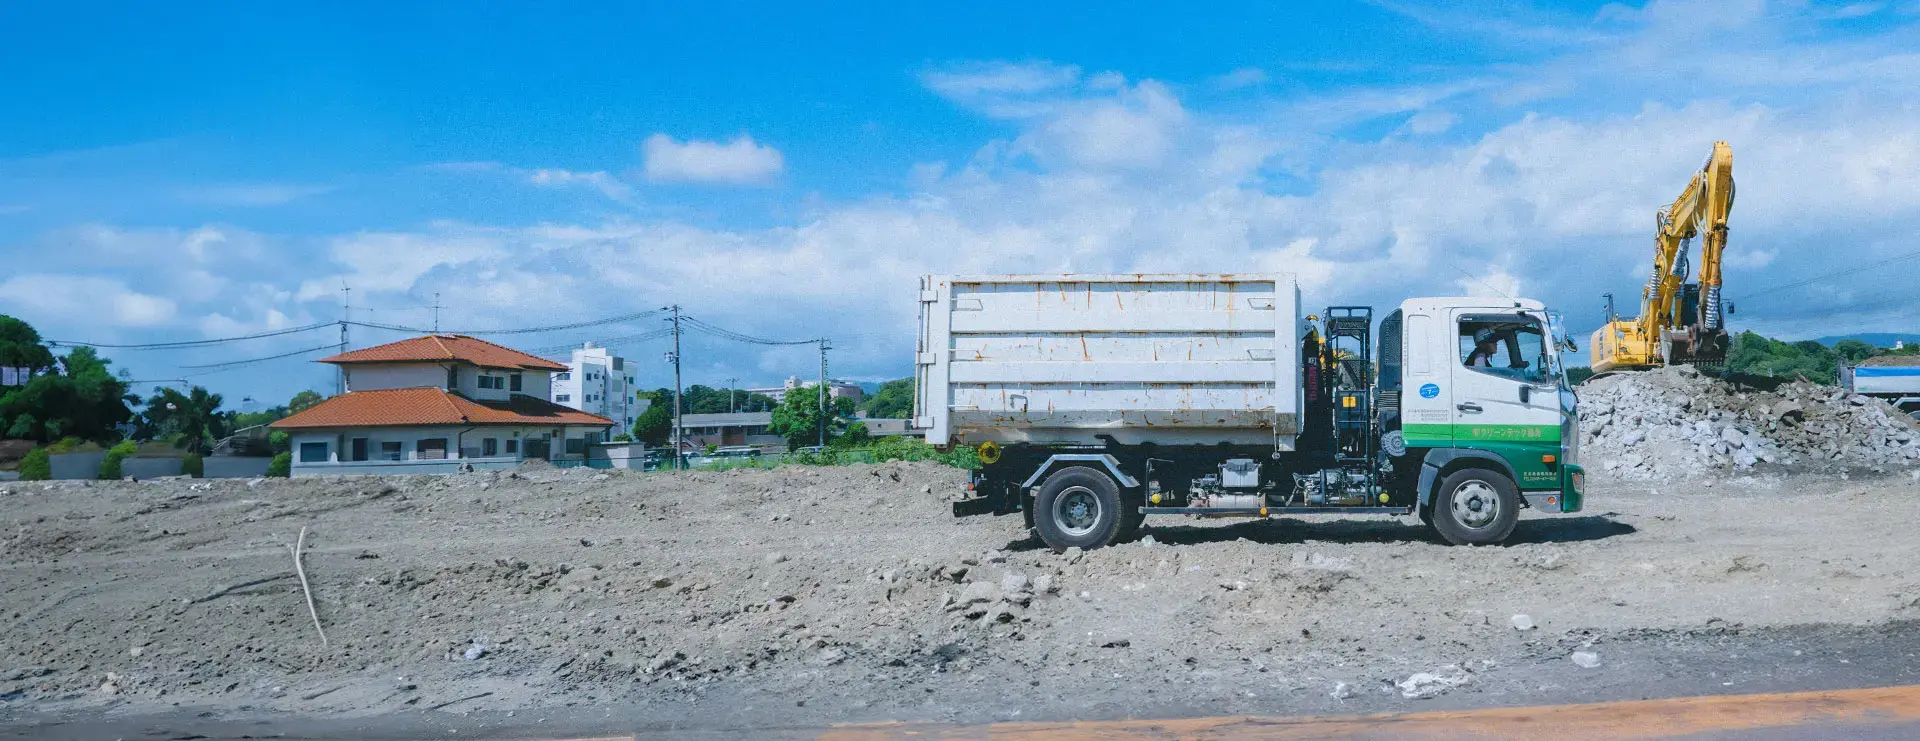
(1070, 359)
(1894, 378)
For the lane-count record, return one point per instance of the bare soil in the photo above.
(850, 593)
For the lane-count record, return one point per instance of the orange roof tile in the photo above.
(432, 406)
(440, 348)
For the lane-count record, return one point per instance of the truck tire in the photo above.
(1475, 506)
(1078, 507)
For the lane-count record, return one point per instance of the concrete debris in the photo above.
(1341, 691)
(1586, 659)
(1675, 423)
(1426, 685)
(1523, 622)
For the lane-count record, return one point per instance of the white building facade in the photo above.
(598, 382)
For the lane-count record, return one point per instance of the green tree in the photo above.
(798, 418)
(303, 400)
(82, 400)
(194, 416)
(110, 465)
(893, 400)
(281, 466)
(20, 347)
(655, 425)
(1757, 355)
(37, 466)
(194, 465)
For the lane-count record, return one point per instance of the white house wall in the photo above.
(462, 442)
(371, 377)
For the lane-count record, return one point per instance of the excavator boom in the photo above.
(1680, 322)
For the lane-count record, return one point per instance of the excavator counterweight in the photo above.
(1680, 322)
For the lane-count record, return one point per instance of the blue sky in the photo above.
(205, 170)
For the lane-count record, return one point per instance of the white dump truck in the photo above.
(1892, 378)
(1096, 400)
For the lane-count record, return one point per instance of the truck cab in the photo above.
(1482, 385)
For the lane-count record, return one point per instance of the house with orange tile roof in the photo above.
(438, 404)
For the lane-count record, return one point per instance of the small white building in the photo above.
(598, 382)
(436, 404)
(835, 389)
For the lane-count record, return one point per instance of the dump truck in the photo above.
(1894, 379)
(1094, 401)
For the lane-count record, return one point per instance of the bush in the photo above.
(37, 466)
(623, 438)
(194, 465)
(280, 441)
(65, 445)
(282, 466)
(110, 466)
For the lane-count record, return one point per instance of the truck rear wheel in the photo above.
(1475, 506)
(1078, 507)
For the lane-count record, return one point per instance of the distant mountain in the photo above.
(1877, 339)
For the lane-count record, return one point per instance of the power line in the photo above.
(740, 337)
(1828, 276)
(522, 330)
(193, 343)
(607, 342)
(251, 361)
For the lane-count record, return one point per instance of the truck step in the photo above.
(1255, 511)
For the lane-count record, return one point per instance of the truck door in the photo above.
(1505, 393)
(1426, 401)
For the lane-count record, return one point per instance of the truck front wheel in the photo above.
(1475, 506)
(1078, 507)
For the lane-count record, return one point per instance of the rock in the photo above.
(1733, 437)
(111, 686)
(1013, 582)
(1425, 685)
(474, 652)
(1074, 554)
(1586, 659)
(1043, 584)
(1633, 437)
(1523, 622)
(136, 651)
(976, 593)
(773, 558)
(1147, 541)
(1341, 691)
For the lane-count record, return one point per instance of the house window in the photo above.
(313, 452)
(563, 398)
(431, 450)
(390, 451)
(513, 447)
(493, 382)
(489, 447)
(576, 446)
(453, 377)
(564, 376)
(513, 382)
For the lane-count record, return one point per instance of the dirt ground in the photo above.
(821, 595)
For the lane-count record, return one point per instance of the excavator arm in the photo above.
(1679, 322)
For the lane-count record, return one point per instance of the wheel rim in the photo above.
(1076, 510)
(1475, 504)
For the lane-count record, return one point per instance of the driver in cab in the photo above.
(1485, 343)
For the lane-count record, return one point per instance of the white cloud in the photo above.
(737, 162)
(1243, 77)
(974, 80)
(252, 194)
(599, 180)
(1431, 122)
(72, 296)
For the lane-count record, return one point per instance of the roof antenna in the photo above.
(436, 312)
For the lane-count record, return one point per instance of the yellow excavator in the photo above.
(1680, 323)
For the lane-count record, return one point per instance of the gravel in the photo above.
(1675, 424)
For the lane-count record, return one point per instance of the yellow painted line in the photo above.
(1610, 721)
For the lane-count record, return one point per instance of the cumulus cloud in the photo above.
(69, 295)
(737, 162)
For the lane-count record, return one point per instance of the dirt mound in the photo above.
(1675, 423)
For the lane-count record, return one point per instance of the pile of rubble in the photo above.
(1677, 423)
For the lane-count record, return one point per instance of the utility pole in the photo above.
(824, 347)
(436, 312)
(346, 315)
(675, 358)
(731, 382)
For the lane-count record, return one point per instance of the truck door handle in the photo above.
(1469, 408)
